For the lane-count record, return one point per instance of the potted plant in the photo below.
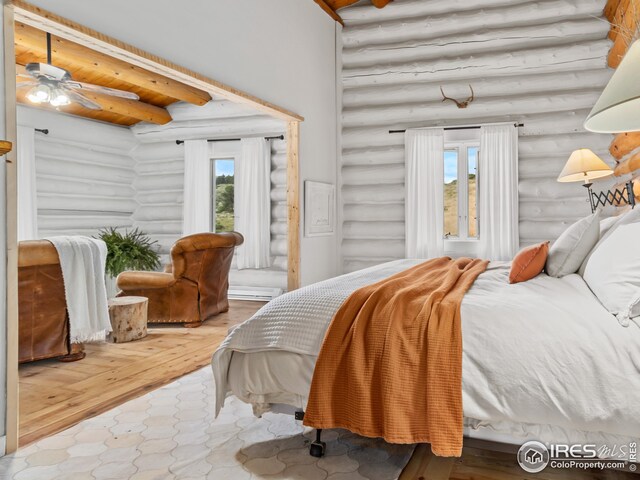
(131, 250)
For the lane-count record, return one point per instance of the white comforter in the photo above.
(541, 359)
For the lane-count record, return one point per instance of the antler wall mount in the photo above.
(459, 104)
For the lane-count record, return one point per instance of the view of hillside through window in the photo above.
(460, 192)
(223, 195)
(472, 172)
(451, 193)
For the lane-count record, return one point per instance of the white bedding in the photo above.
(541, 359)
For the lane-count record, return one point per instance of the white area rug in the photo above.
(170, 434)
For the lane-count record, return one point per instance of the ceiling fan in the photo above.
(55, 86)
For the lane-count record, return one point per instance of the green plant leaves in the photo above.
(133, 250)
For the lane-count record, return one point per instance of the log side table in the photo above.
(128, 318)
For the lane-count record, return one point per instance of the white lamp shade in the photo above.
(618, 108)
(584, 165)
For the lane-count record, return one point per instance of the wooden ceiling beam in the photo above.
(628, 23)
(130, 108)
(381, 3)
(330, 11)
(337, 4)
(610, 9)
(332, 6)
(35, 39)
(80, 111)
(120, 106)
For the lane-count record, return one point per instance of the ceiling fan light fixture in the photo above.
(59, 98)
(39, 94)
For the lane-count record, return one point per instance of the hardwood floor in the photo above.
(55, 395)
(485, 461)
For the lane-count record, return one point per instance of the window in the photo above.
(222, 218)
(460, 191)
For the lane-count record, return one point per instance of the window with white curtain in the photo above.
(461, 192)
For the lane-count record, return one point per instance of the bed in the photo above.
(542, 360)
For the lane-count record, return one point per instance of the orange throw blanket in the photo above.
(391, 362)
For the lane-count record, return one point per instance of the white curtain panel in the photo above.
(196, 210)
(424, 191)
(498, 198)
(27, 192)
(252, 205)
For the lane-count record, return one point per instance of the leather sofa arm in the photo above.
(141, 280)
(37, 252)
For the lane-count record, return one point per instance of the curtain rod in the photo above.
(467, 127)
(42, 130)
(279, 137)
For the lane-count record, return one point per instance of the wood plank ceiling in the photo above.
(86, 65)
(332, 6)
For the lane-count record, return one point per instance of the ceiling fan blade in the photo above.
(25, 75)
(82, 100)
(100, 89)
(26, 84)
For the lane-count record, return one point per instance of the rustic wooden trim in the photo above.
(624, 143)
(72, 31)
(5, 147)
(11, 234)
(293, 205)
(330, 11)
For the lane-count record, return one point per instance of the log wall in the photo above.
(84, 173)
(542, 63)
(159, 176)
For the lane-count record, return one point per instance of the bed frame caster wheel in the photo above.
(317, 448)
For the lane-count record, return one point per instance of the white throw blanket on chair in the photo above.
(83, 260)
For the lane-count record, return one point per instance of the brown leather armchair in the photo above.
(43, 322)
(195, 286)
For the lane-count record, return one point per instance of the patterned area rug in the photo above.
(170, 434)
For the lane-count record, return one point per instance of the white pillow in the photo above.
(613, 272)
(606, 224)
(570, 249)
(632, 216)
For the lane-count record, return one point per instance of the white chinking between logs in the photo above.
(544, 67)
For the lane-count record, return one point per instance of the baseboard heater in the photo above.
(256, 294)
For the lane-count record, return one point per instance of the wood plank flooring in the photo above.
(55, 396)
(488, 461)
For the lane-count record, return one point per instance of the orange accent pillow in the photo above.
(529, 262)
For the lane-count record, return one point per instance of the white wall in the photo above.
(282, 51)
(159, 180)
(542, 63)
(84, 173)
